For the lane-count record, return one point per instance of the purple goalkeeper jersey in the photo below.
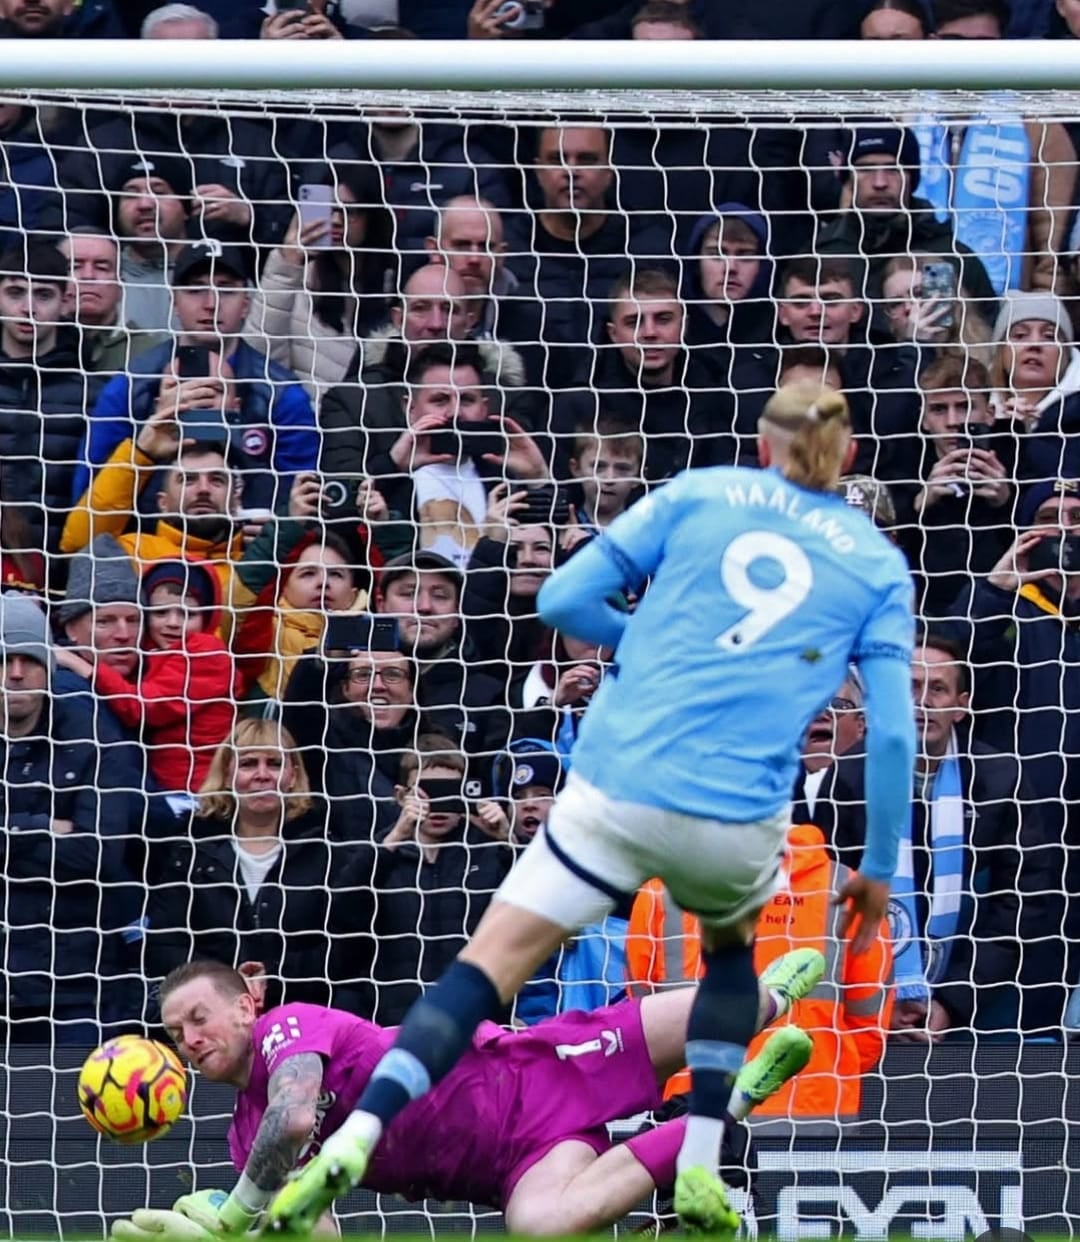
(511, 1098)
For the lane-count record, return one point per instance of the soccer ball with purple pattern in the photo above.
(132, 1089)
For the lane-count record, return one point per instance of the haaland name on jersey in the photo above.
(791, 503)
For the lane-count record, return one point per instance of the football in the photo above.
(132, 1089)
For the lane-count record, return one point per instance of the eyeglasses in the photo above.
(843, 705)
(388, 676)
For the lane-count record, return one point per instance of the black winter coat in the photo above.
(201, 908)
(425, 911)
(43, 406)
(573, 281)
(64, 898)
(689, 423)
(1011, 871)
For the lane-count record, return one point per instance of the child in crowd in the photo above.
(183, 699)
(607, 464)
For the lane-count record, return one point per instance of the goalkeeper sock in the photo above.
(436, 1031)
(723, 1020)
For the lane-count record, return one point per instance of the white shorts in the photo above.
(595, 850)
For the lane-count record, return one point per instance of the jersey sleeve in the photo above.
(635, 540)
(889, 631)
(290, 1030)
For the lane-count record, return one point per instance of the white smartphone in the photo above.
(317, 203)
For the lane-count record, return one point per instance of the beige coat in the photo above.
(282, 314)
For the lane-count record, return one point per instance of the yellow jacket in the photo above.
(107, 507)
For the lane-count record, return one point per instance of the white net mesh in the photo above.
(336, 383)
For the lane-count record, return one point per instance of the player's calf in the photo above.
(723, 1020)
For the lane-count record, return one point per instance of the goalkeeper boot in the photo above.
(792, 977)
(701, 1201)
(786, 1052)
(332, 1172)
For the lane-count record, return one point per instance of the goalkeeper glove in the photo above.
(159, 1225)
(217, 1212)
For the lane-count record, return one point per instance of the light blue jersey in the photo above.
(761, 594)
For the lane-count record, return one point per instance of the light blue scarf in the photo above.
(986, 195)
(920, 960)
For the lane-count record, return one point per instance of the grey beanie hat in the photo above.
(101, 574)
(1046, 307)
(24, 630)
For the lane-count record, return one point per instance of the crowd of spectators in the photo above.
(297, 415)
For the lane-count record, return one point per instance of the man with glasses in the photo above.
(837, 730)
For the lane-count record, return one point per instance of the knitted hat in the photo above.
(23, 629)
(892, 140)
(1016, 307)
(1035, 496)
(174, 170)
(189, 578)
(101, 574)
(528, 761)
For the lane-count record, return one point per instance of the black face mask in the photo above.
(1060, 552)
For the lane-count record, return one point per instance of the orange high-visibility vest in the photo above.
(847, 1014)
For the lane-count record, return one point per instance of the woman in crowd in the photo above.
(255, 876)
(326, 285)
(1036, 378)
(927, 320)
(894, 19)
(292, 577)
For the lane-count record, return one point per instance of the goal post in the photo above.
(528, 65)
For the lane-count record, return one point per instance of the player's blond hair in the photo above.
(814, 428)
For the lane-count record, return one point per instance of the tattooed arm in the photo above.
(286, 1126)
(292, 1096)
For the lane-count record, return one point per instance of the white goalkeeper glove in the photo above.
(219, 1212)
(159, 1225)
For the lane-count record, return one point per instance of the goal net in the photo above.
(303, 395)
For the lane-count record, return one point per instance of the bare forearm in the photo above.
(287, 1122)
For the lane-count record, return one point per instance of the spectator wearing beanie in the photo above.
(1036, 379)
(183, 700)
(882, 217)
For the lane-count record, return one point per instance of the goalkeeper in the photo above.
(520, 1123)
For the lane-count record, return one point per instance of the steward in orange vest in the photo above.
(847, 1014)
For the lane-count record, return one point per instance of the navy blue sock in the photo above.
(436, 1031)
(723, 1021)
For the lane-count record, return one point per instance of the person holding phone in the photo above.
(271, 422)
(309, 574)
(453, 451)
(1036, 375)
(950, 519)
(325, 286)
(931, 312)
(433, 873)
(299, 19)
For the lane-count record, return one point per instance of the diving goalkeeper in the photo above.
(520, 1123)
